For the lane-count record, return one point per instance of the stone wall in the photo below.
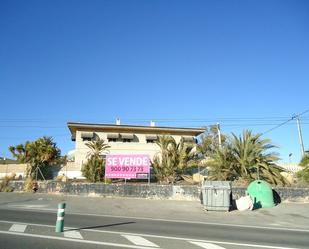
(154, 191)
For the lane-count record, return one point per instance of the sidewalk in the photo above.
(286, 215)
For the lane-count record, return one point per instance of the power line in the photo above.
(213, 119)
(279, 125)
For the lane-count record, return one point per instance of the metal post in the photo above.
(219, 134)
(199, 175)
(60, 218)
(6, 168)
(300, 138)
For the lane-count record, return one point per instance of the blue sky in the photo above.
(181, 63)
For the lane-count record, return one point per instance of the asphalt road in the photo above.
(35, 229)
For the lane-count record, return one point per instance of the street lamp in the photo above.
(290, 155)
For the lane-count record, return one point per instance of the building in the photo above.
(125, 139)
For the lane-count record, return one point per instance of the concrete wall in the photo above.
(291, 167)
(71, 170)
(9, 169)
(182, 192)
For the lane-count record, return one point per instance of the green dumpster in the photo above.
(261, 194)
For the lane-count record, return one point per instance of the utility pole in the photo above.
(219, 135)
(300, 137)
(6, 169)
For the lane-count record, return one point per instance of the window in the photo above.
(112, 137)
(87, 136)
(126, 140)
(188, 139)
(150, 139)
(127, 137)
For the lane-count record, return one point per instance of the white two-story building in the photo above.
(125, 139)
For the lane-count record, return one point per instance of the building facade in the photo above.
(125, 139)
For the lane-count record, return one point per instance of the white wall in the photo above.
(134, 147)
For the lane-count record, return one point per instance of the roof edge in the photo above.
(72, 125)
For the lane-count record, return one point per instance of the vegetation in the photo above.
(239, 158)
(173, 159)
(243, 158)
(246, 157)
(93, 169)
(41, 153)
(305, 161)
(28, 185)
(221, 166)
(5, 184)
(303, 175)
(210, 142)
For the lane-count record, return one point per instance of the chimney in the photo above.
(152, 123)
(118, 121)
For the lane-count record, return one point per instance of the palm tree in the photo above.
(173, 158)
(93, 169)
(253, 159)
(249, 158)
(97, 148)
(165, 161)
(221, 165)
(41, 153)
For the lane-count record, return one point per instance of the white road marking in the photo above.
(28, 206)
(20, 228)
(72, 234)
(140, 241)
(160, 237)
(45, 210)
(206, 245)
(74, 240)
(38, 208)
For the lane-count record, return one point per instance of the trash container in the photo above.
(261, 194)
(216, 195)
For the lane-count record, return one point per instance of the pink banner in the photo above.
(130, 166)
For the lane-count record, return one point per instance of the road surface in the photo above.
(35, 229)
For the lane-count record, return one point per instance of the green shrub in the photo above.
(29, 184)
(303, 175)
(304, 161)
(5, 184)
(93, 169)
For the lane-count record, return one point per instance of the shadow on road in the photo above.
(100, 226)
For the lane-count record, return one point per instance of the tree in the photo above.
(305, 160)
(93, 169)
(222, 165)
(172, 159)
(303, 175)
(41, 153)
(248, 157)
(209, 142)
